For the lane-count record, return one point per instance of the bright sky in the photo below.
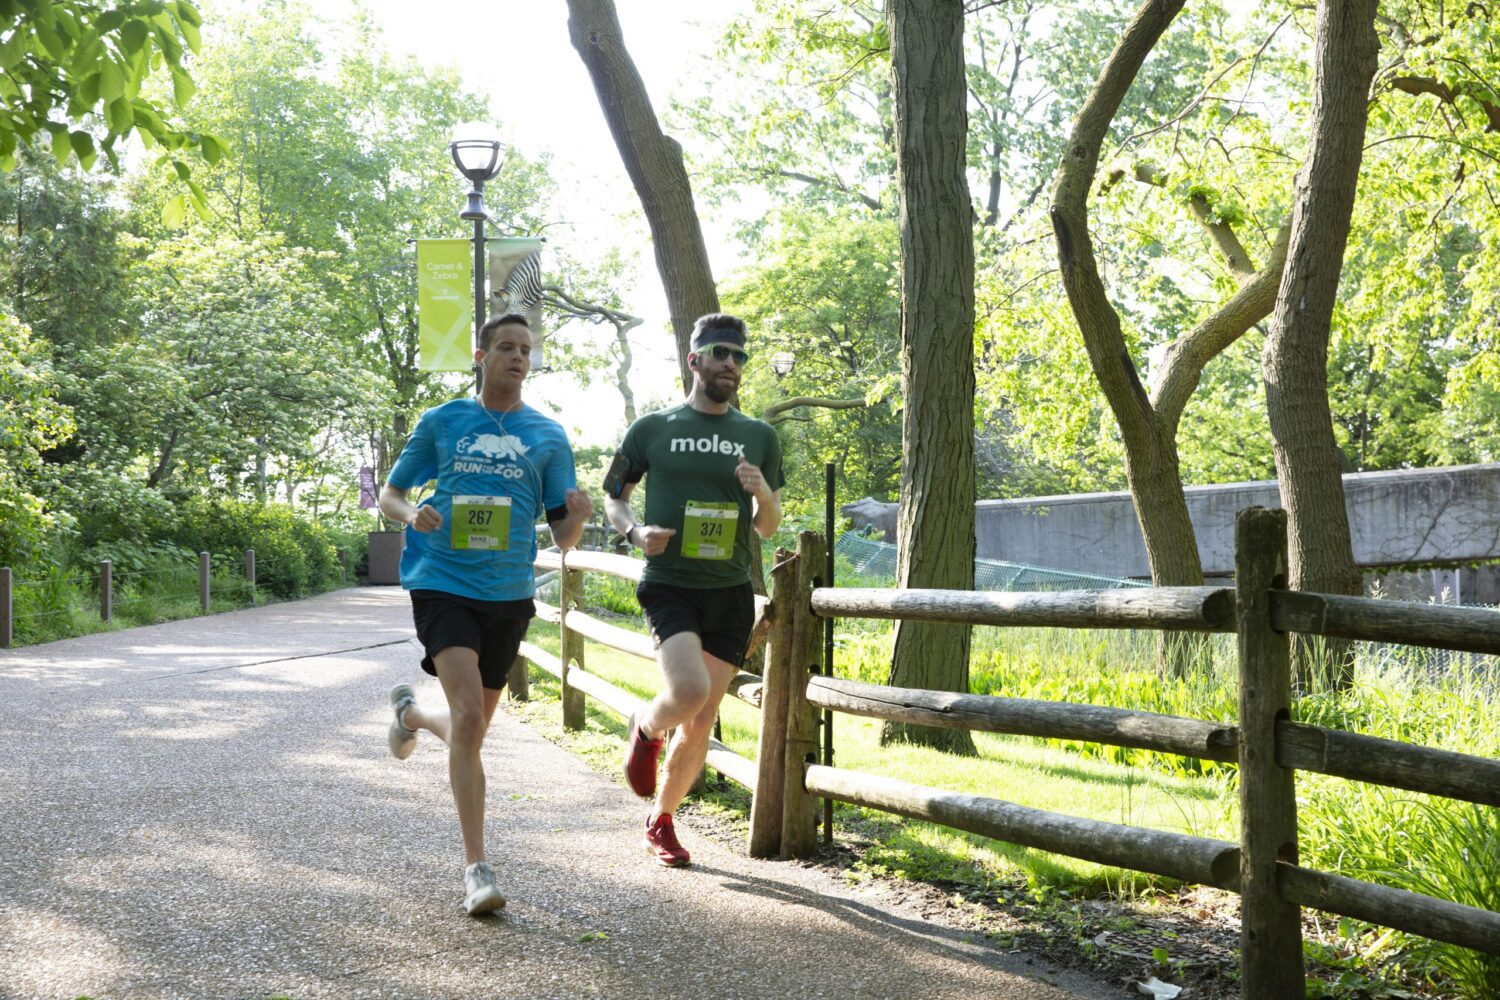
(518, 52)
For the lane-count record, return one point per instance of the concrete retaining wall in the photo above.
(1445, 515)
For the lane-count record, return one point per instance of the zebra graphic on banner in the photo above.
(516, 285)
(523, 289)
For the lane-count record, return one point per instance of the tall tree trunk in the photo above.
(936, 527)
(1295, 358)
(653, 160)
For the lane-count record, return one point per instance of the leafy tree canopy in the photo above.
(78, 62)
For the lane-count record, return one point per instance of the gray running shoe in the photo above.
(481, 895)
(401, 740)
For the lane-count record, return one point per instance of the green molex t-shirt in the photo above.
(688, 460)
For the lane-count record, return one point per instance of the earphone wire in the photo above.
(500, 425)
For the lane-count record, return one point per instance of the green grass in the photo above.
(1019, 770)
(1382, 835)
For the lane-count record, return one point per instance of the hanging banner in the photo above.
(367, 497)
(445, 305)
(516, 285)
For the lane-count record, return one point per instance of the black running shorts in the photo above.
(720, 616)
(493, 629)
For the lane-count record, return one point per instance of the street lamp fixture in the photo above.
(782, 362)
(476, 152)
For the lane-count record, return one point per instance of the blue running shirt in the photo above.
(474, 451)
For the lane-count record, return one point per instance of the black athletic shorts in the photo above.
(493, 629)
(721, 616)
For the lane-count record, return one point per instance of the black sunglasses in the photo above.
(722, 353)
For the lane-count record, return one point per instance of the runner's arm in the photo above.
(650, 539)
(567, 525)
(394, 505)
(767, 513)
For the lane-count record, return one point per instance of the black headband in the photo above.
(718, 335)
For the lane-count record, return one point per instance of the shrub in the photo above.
(292, 557)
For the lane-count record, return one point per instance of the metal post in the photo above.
(250, 572)
(479, 296)
(6, 616)
(204, 565)
(106, 590)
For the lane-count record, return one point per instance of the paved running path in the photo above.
(206, 809)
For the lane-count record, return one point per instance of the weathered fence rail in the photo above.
(1267, 746)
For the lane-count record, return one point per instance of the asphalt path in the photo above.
(206, 809)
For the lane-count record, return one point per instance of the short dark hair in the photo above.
(718, 328)
(495, 322)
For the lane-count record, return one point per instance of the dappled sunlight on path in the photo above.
(207, 808)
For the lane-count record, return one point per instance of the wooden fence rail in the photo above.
(1265, 744)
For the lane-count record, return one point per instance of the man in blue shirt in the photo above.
(499, 466)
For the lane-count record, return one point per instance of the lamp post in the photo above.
(476, 152)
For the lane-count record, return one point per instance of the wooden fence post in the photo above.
(518, 684)
(205, 566)
(799, 823)
(571, 646)
(766, 805)
(7, 617)
(250, 572)
(106, 590)
(1270, 927)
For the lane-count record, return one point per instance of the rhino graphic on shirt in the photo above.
(492, 445)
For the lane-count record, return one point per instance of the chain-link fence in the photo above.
(875, 561)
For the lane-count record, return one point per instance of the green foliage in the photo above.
(292, 556)
(32, 420)
(60, 249)
(72, 61)
(824, 289)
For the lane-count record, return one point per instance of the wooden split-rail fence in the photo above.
(1262, 867)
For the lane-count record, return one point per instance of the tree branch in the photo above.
(1189, 354)
(782, 406)
(1426, 85)
(836, 183)
(1096, 316)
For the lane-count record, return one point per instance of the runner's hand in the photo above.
(751, 478)
(580, 506)
(427, 518)
(653, 540)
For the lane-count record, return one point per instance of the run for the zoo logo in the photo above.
(472, 449)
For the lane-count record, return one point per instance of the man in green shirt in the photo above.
(713, 475)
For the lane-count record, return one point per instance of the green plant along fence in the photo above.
(1269, 748)
(154, 586)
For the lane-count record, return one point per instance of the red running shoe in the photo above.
(641, 756)
(661, 841)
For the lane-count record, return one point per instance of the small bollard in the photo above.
(250, 572)
(204, 565)
(106, 590)
(5, 608)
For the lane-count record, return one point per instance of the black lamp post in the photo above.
(476, 152)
